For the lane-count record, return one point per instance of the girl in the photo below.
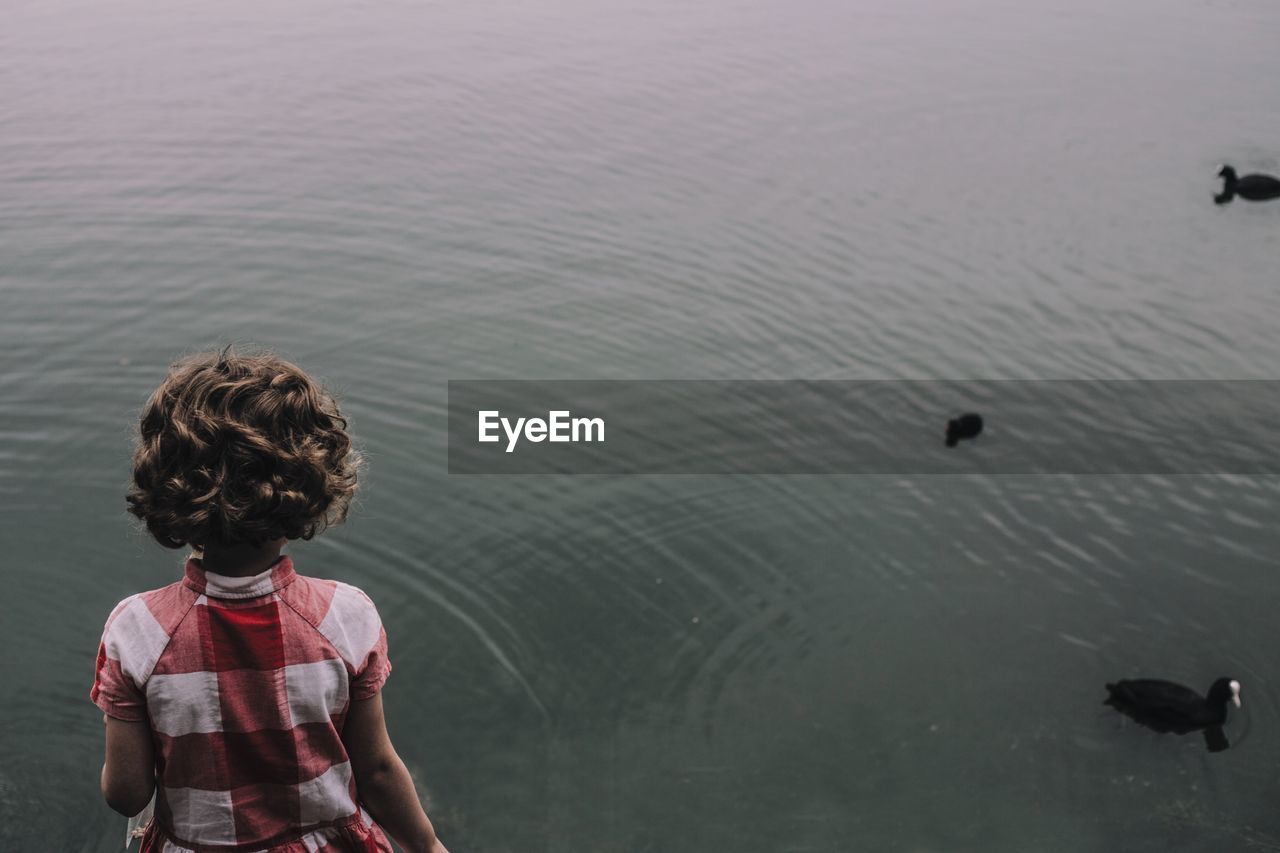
(246, 696)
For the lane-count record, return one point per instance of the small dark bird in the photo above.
(1164, 706)
(1255, 187)
(965, 426)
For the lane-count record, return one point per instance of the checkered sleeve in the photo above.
(373, 674)
(131, 643)
(355, 628)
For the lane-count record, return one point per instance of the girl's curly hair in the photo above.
(240, 448)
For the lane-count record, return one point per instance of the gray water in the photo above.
(404, 193)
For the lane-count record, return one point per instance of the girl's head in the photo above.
(240, 449)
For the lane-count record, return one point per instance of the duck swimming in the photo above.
(1164, 706)
(965, 426)
(1255, 187)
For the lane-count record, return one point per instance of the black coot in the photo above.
(965, 426)
(1168, 707)
(1256, 187)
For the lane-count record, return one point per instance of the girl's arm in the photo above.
(383, 781)
(128, 776)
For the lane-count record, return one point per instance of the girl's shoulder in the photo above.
(321, 599)
(341, 612)
(151, 613)
(135, 636)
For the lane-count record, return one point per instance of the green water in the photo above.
(399, 195)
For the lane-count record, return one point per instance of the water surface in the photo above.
(734, 189)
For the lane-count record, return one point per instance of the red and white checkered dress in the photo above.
(246, 683)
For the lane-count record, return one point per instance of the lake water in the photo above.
(402, 194)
